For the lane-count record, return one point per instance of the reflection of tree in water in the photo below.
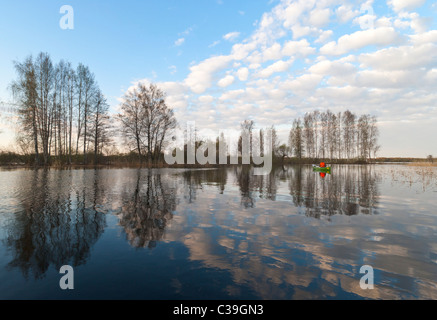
(195, 179)
(252, 186)
(147, 209)
(349, 190)
(55, 226)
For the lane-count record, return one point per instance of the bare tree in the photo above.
(152, 100)
(164, 128)
(146, 120)
(99, 124)
(373, 136)
(323, 133)
(275, 140)
(316, 125)
(24, 90)
(131, 119)
(283, 151)
(308, 135)
(87, 91)
(348, 133)
(246, 136)
(45, 79)
(296, 139)
(364, 136)
(70, 98)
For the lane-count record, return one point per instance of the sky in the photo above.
(223, 61)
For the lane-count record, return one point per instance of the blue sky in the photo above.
(221, 61)
(122, 40)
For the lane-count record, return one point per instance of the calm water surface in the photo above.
(220, 233)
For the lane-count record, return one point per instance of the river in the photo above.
(220, 233)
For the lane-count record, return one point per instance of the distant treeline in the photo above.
(323, 135)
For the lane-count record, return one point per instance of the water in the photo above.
(219, 233)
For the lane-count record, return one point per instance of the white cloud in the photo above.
(241, 50)
(419, 24)
(226, 81)
(304, 84)
(401, 58)
(399, 5)
(345, 13)
(426, 37)
(243, 74)
(279, 66)
(294, 11)
(319, 17)
(383, 79)
(359, 39)
(231, 36)
(272, 53)
(300, 31)
(179, 42)
(383, 22)
(334, 68)
(206, 99)
(232, 94)
(324, 36)
(201, 75)
(254, 66)
(302, 48)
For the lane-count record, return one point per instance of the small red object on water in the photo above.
(322, 165)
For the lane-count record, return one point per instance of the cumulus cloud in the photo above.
(344, 13)
(272, 53)
(324, 36)
(399, 5)
(201, 74)
(359, 39)
(206, 99)
(243, 74)
(226, 81)
(401, 58)
(302, 48)
(319, 17)
(279, 66)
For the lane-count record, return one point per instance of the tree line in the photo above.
(64, 118)
(323, 135)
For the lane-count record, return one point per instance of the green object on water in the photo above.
(319, 169)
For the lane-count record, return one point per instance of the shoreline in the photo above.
(287, 162)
